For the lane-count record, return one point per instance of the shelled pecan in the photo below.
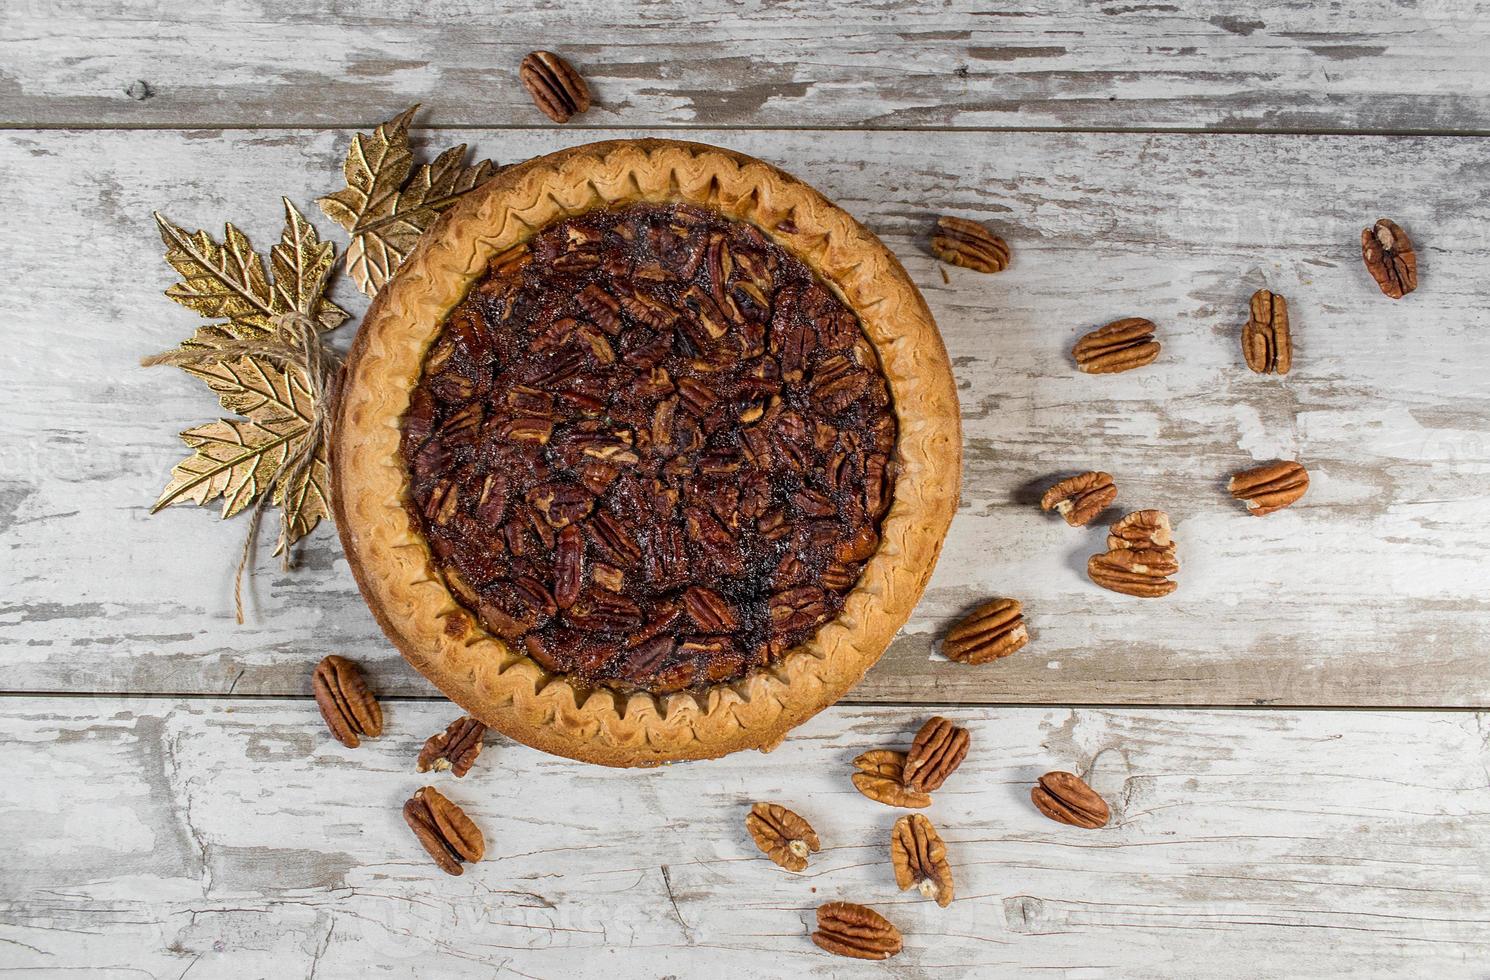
(1081, 497)
(853, 930)
(1065, 798)
(710, 610)
(969, 244)
(1142, 529)
(1121, 345)
(781, 835)
(555, 86)
(444, 829)
(347, 706)
(937, 751)
(1266, 341)
(1142, 572)
(1270, 487)
(920, 859)
(881, 777)
(1390, 258)
(454, 750)
(990, 632)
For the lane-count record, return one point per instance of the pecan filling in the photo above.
(651, 449)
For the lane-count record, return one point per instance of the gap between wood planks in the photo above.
(847, 702)
(13, 126)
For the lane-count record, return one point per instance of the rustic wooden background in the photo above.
(1294, 743)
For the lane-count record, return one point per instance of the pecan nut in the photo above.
(881, 777)
(969, 244)
(1142, 529)
(1080, 498)
(992, 631)
(1390, 258)
(938, 750)
(1269, 487)
(556, 88)
(796, 609)
(710, 610)
(444, 829)
(569, 555)
(853, 930)
(781, 835)
(1142, 572)
(348, 707)
(455, 749)
(1064, 798)
(920, 859)
(1266, 342)
(1121, 345)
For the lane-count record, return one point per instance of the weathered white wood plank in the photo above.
(235, 839)
(1411, 65)
(1374, 590)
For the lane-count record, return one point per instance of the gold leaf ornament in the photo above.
(227, 281)
(236, 459)
(384, 208)
(266, 363)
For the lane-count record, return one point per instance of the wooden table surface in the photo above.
(1294, 744)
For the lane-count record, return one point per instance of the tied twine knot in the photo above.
(295, 341)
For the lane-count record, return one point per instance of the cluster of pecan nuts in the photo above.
(651, 448)
(918, 855)
(351, 712)
(908, 779)
(1129, 343)
(1388, 254)
(1141, 555)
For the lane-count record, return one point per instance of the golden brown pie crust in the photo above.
(501, 686)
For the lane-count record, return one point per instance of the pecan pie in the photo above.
(646, 452)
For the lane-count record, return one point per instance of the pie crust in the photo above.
(502, 686)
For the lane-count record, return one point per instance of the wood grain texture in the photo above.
(236, 839)
(1373, 590)
(1407, 66)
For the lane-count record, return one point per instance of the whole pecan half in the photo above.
(781, 835)
(555, 86)
(1390, 258)
(1122, 345)
(1081, 497)
(569, 556)
(993, 630)
(853, 930)
(455, 749)
(1269, 487)
(348, 707)
(1063, 797)
(1266, 342)
(1142, 529)
(920, 858)
(710, 610)
(969, 244)
(1142, 572)
(444, 829)
(938, 750)
(881, 777)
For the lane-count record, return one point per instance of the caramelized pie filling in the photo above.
(651, 449)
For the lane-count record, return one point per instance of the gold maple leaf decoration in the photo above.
(239, 459)
(383, 208)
